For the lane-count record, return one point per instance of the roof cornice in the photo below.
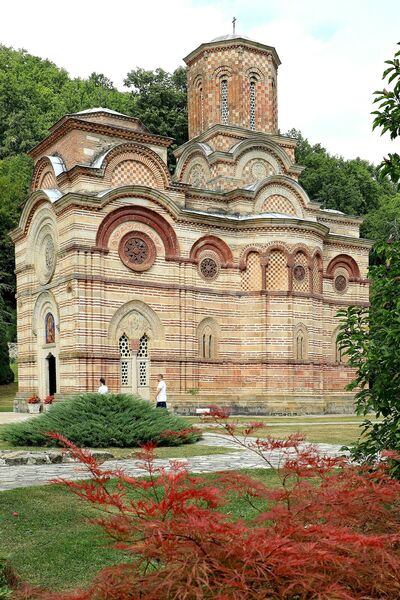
(71, 123)
(235, 42)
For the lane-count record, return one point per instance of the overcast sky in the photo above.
(332, 52)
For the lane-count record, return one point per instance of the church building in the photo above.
(224, 277)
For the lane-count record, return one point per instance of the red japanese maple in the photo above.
(329, 531)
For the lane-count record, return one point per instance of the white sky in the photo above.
(332, 52)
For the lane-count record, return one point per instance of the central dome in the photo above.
(231, 36)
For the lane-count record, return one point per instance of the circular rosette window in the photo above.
(209, 267)
(299, 272)
(137, 251)
(45, 256)
(340, 283)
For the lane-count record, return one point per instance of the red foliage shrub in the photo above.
(329, 531)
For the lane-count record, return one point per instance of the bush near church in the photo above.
(101, 421)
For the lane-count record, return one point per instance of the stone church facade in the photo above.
(225, 276)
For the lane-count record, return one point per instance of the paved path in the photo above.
(12, 417)
(30, 475)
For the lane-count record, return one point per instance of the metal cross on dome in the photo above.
(233, 24)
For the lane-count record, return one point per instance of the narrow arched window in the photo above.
(300, 346)
(125, 362)
(210, 346)
(224, 102)
(201, 99)
(50, 330)
(203, 354)
(338, 352)
(252, 104)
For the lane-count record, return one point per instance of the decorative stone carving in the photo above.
(299, 272)
(45, 260)
(135, 325)
(208, 268)
(137, 251)
(259, 170)
(340, 283)
(209, 265)
(197, 177)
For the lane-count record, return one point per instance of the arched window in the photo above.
(300, 341)
(201, 107)
(50, 330)
(224, 102)
(143, 362)
(207, 344)
(125, 361)
(208, 335)
(252, 104)
(300, 346)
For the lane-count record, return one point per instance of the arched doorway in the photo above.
(52, 374)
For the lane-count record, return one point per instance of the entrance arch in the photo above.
(134, 329)
(52, 374)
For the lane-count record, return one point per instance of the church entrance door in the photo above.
(52, 374)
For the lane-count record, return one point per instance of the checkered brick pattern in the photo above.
(278, 204)
(303, 285)
(48, 181)
(316, 278)
(256, 169)
(132, 171)
(277, 272)
(237, 65)
(252, 276)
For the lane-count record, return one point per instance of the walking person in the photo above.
(103, 389)
(161, 394)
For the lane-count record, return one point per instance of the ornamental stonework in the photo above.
(209, 265)
(45, 256)
(299, 272)
(137, 251)
(340, 283)
(125, 228)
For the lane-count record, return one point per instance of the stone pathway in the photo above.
(12, 477)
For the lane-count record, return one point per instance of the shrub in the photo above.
(329, 532)
(103, 420)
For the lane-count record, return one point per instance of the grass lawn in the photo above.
(50, 542)
(327, 434)
(328, 429)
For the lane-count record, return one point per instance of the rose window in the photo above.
(49, 254)
(137, 251)
(340, 283)
(208, 268)
(299, 273)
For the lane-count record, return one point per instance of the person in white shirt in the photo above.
(103, 389)
(161, 395)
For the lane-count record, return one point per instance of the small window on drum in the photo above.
(224, 102)
(252, 106)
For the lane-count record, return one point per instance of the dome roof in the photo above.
(231, 36)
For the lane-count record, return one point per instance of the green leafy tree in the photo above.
(161, 103)
(371, 338)
(6, 374)
(347, 185)
(387, 116)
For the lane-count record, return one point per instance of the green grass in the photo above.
(51, 544)
(333, 434)
(7, 392)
